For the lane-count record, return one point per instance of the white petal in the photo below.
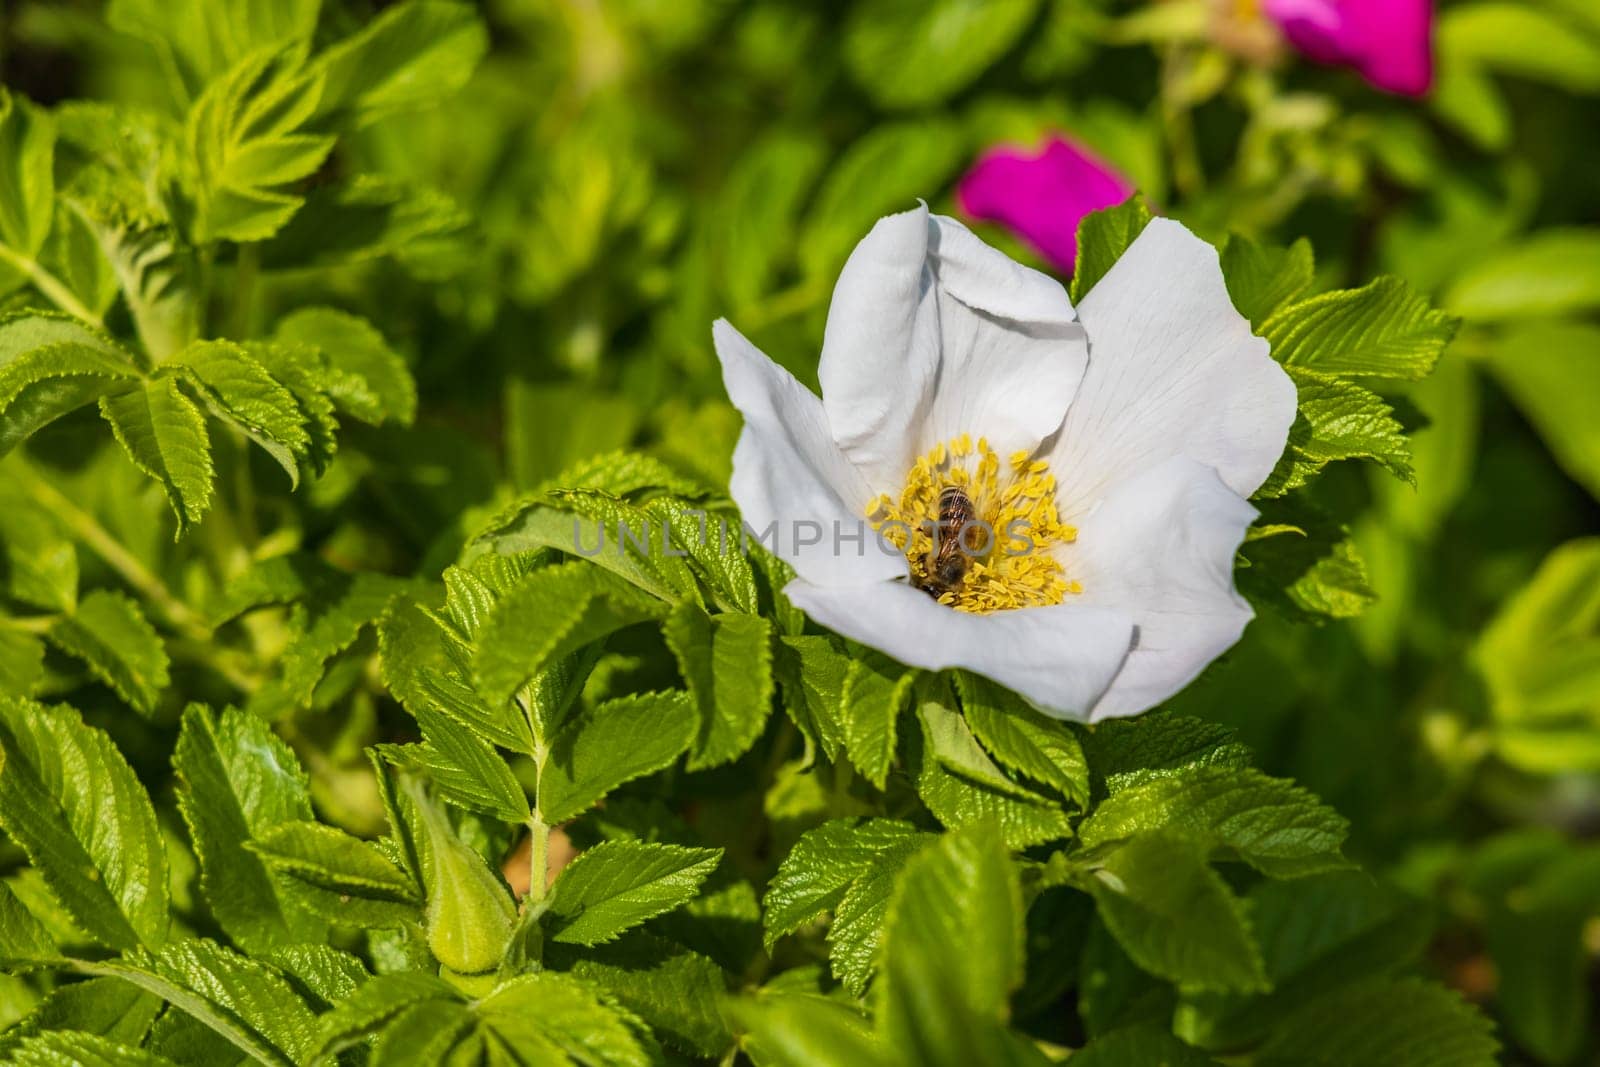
(1060, 658)
(1160, 549)
(1011, 353)
(1173, 370)
(787, 471)
(880, 351)
(932, 333)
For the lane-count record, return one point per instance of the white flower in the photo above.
(1125, 437)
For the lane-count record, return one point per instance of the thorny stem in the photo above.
(88, 530)
(51, 286)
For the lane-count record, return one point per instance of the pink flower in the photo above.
(1042, 196)
(1390, 42)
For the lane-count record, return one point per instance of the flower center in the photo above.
(980, 535)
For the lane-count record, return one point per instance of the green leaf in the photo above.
(814, 877)
(237, 388)
(550, 613)
(1407, 1022)
(67, 1049)
(21, 661)
(325, 622)
(368, 216)
(245, 1002)
(305, 373)
(51, 365)
(337, 876)
(1549, 273)
(1551, 371)
(413, 54)
(197, 41)
(38, 565)
(1102, 238)
(371, 382)
(939, 1001)
(797, 1030)
(164, 435)
(375, 1003)
(1261, 278)
(27, 195)
(23, 939)
(1272, 824)
(554, 1017)
(1020, 738)
(73, 804)
(1174, 916)
(884, 171)
(106, 1007)
(1522, 41)
(812, 670)
(677, 992)
(110, 634)
(329, 975)
(952, 744)
(1137, 1046)
(619, 884)
(909, 54)
(238, 781)
(1124, 752)
(726, 662)
(615, 742)
(876, 690)
(467, 770)
(956, 800)
(1385, 330)
(244, 148)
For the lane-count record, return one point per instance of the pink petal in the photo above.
(1390, 42)
(1041, 197)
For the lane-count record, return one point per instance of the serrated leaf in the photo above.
(1272, 824)
(559, 1013)
(1339, 420)
(938, 1001)
(1102, 238)
(1175, 916)
(243, 1001)
(338, 876)
(876, 690)
(110, 634)
(1124, 752)
(328, 620)
(956, 800)
(467, 769)
(52, 364)
(244, 145)
(801, 1030)
(812, 670)
(68, 1049)
(302, 370)
(73, 804)
(165, 436)
(199, 41)
(24, 941)
(619, 884)
(103, 1006)
(1029, 743)
(372, 215)
(327, 974)
(413, 54)
(375, 1003)
(616, 742)
(238, 781)
(27, 196)
(1406, 1022)
(677, 992)
(1385, 330)
(726, 662)
(951, 743)
(814, 876)
(548, 614)
(1261, 278)
(237, 388)
(372, 383)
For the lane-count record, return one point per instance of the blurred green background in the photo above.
(617, 173)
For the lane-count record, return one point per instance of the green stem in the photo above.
(538, 858)
(33, 624)
(84, 527)
(51, 286)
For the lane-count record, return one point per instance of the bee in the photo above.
(948, 563)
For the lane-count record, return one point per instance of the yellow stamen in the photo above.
(1020, 570)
